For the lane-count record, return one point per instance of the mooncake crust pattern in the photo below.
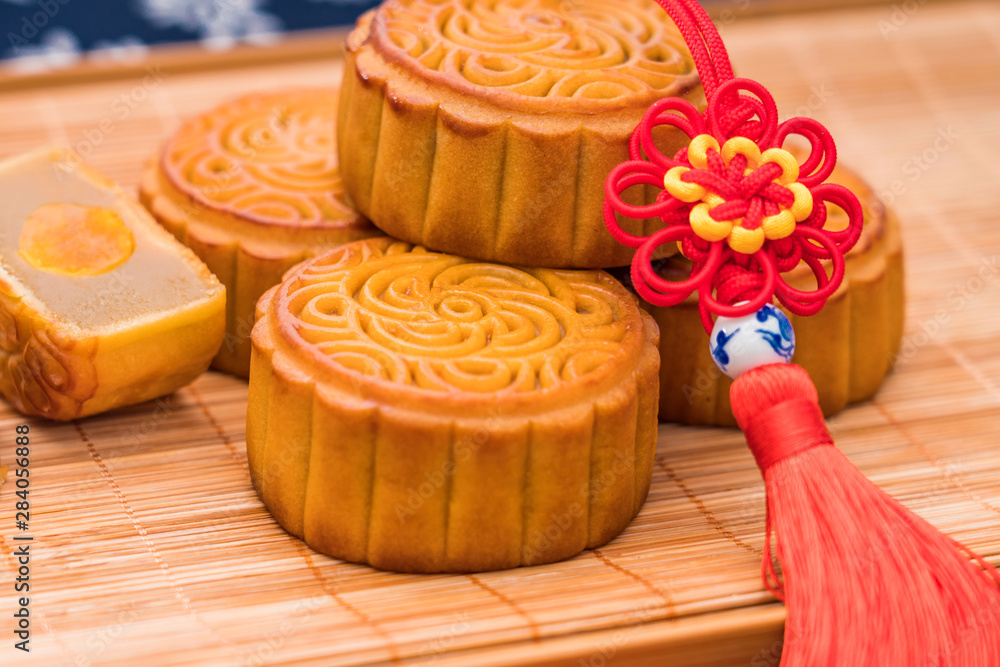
(422, 412)
(253, 187)
(487, 129)
(268, 158)
(539, 54)
(848, 347)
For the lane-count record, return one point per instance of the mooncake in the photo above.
(847, 348)
(422, 412)
(99, 306)
(487, 129)
(253, 188)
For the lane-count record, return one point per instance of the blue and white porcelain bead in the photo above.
(741, 343)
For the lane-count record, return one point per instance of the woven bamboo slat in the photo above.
(151, 547)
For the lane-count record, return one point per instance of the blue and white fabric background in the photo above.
(41, 35)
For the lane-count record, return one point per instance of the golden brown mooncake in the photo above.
(99, 306)
(848, 347)
(486, 129)
(253, 188)
(421, 412)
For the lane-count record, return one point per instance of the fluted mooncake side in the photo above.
(487, 129)
(421, 412)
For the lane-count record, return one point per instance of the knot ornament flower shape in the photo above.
(739, 206)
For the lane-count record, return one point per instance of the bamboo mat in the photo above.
(152, 549)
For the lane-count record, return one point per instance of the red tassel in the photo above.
(866, 583)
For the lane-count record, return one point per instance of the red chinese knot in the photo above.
(740, 207)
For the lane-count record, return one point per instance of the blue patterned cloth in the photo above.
(47, 34)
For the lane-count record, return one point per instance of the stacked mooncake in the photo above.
(487, 129)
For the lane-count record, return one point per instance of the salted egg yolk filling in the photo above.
(74, 240)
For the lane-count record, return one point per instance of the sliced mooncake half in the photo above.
(99, 306)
